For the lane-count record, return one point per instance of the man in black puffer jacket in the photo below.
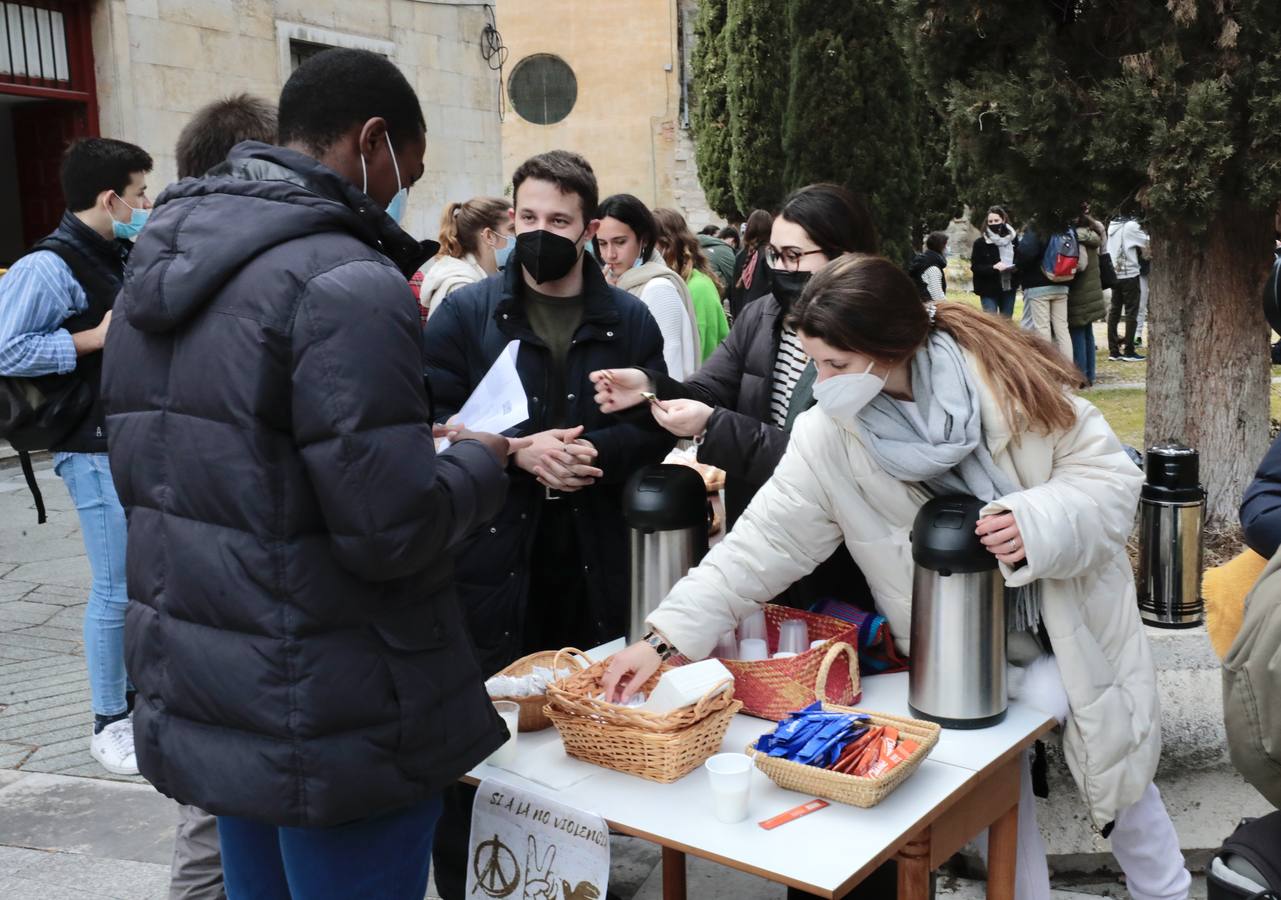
(294, 636)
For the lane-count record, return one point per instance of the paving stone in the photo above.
(90, 816)
(13, 589)
(69, 571)
(14, 754)
(14, 858)
(115, 878)
(24, 613)
(14, 888)
(36, 548)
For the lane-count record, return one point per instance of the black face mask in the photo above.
(788, 286)
(545, 255)
(1002, 230)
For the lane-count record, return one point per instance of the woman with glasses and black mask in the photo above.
(740, 406)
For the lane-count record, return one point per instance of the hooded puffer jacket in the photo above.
(293, 633)
(1085, 293)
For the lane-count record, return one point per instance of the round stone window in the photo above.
(543, 89)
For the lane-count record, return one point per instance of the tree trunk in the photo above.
(1209, 367)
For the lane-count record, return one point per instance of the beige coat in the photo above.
(1075, 514)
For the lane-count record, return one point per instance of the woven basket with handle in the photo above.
(659, 747)
(851, 789)
(532, 717)
(773, 688)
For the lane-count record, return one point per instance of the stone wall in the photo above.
(157, 61)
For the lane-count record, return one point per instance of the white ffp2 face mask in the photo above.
(844, 396)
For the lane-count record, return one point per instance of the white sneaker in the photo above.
(113, 748)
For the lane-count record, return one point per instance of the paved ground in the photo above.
(71, 831)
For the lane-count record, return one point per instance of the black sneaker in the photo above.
(1134, 357)
(1116, 358)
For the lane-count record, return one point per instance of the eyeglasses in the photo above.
(788, 258)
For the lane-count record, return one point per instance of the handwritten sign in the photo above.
(527, 847)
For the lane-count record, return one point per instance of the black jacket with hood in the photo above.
(293, 632)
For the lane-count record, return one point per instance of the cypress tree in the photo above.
(852, 111)
(709, 118)
(756, 78)
(1173, 108)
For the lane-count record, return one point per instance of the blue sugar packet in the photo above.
(812, 735)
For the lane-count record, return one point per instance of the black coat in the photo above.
(983, 259)
(293, 633)
(1028, 255)
(1261, 508)
(463, 338)
(740, 296)
(737, 381)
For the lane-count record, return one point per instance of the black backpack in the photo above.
(1248, 865)
(38, 413)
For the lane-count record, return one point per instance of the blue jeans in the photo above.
(102, 524)
(385, 857)
(1084, 352)
(1002, 303)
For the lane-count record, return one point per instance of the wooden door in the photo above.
(41, 132)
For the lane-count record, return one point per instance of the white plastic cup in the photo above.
(783, 654)
(730, 777)
(753, 627)
(505, 755)
(814, 645)
(793, 636)
(753, 649)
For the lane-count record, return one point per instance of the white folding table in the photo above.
(969, 782)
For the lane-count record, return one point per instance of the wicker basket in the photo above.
(851, 789)
(773, 688)
(577, 696)
(662, 748)
(532, 717)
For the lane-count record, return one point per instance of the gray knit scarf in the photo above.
(949, 456)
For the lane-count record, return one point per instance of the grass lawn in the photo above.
(1124, 408)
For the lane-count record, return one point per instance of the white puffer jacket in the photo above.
(1075, 513)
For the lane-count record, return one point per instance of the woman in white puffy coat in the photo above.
(915, 401)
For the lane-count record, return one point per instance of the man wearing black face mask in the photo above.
(552, 569)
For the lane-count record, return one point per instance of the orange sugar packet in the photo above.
(899, 754)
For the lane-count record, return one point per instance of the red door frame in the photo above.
(81, 87)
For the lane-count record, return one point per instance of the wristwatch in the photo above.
(661, 646)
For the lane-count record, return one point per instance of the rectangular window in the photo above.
(33, 43)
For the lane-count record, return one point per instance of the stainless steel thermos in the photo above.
(1171, 537)
(957, 672)
(666, 509)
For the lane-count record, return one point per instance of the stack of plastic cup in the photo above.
(793, 636)
(753, 649)
(726, 647)
(753, 627)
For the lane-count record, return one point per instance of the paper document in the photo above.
(499, 401)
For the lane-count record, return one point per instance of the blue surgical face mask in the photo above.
(396, 208)
(128, 231)
(502, 253)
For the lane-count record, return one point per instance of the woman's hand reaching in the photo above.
(1001, 536)
(628, 670)
(619, 389)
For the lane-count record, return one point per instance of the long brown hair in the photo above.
(681, 250)
(866, 304)
(462, 223)
(757, 231)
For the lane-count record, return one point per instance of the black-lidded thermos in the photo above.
(957, 673)
(1171, 537)
(666, 508)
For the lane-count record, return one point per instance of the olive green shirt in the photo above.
(555, 320)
